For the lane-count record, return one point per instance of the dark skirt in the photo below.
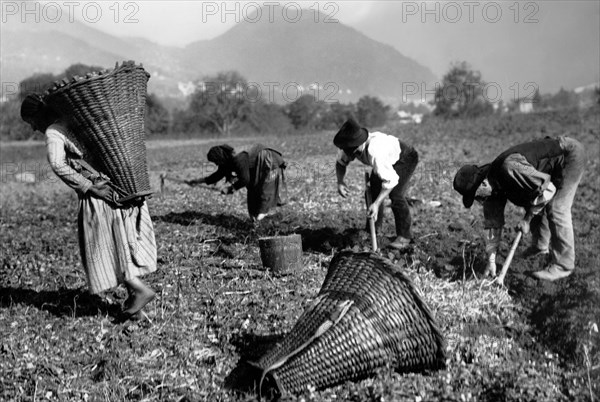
(267, 182)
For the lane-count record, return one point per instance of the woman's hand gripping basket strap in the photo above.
(104, 188)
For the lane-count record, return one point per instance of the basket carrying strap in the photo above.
(86, 166)
(335, 317)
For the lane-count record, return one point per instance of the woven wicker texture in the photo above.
(106, 111)
(367, 316)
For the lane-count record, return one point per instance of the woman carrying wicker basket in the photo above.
(117, 244)
(259, 169)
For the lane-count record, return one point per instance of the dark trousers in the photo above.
(405, 167)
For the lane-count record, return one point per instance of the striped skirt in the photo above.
(116, 244)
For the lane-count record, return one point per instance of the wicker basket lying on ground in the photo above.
(105, 111)
(367, 316)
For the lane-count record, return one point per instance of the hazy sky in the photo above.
(177, 23)
(550, 43)
(508, 41)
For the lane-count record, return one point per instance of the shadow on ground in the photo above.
(230, 222)
(61, 303)
(319, 240)
(245, 377)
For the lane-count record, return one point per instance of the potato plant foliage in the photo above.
(217, 306)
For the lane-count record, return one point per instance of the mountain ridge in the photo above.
(265, 52)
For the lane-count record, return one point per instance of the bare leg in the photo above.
(139, 295)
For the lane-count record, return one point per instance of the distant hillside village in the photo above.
(226, 104)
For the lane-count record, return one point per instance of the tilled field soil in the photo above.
(217, 306)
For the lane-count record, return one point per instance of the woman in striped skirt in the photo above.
(117, 244)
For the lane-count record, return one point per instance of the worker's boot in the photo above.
(552, 273)
(400, 243)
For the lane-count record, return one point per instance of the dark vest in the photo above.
(545, 155)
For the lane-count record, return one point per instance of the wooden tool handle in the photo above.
(369, 201)
(173, 179)
(164, 177)
(509, 258)
(373, 234)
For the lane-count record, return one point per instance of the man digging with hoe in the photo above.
(393, 163)
(541, 176)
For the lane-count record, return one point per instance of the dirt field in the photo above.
(217, 306)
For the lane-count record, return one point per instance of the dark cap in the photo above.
(351, 135)
(32, 107)
(467, 180)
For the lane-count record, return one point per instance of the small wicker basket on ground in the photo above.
(367, 316)
(105, 112)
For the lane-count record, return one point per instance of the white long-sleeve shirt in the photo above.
(59, 150)
(380, 151)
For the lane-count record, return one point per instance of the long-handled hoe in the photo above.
(500, 278)
(509, 257)
(369, 201)
(163, 177)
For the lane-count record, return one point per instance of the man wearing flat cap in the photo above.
(541, 176)
(393, 164)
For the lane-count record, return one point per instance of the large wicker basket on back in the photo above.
(367, 316)
(105, 111)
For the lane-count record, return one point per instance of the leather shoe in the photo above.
(552, 273)
(401, 243)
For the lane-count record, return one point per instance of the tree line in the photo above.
(211, 113)
(224, 105)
